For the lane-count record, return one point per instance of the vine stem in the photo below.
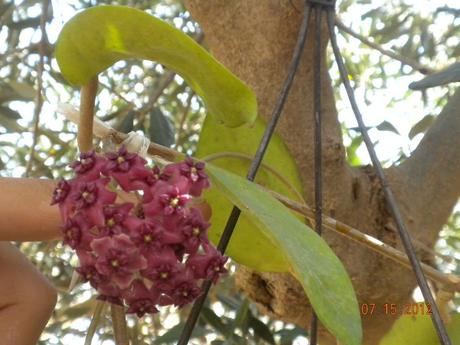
(85, 123)
(318, 147)
(120, 330)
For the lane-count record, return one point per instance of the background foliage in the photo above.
(144, 96)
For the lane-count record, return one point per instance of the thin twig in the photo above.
(85, 124)
(39, 96)
(116, 93)
(404, 60)
(8, 53)
(167, 80)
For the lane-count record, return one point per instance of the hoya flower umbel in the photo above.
(146, 254)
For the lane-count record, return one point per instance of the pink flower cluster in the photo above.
(152, 253)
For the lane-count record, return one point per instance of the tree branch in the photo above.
(431, 174)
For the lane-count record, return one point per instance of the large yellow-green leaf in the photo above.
(419, 330)
(96, 38)
(249, 245)
(315, 265)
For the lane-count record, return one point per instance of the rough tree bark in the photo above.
(255, 40)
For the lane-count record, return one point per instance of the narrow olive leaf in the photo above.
(218, 144)
(127, 124)
(10, 113)
(8, 123)
(173, 334)
(98, 311)
(261, 330)
(160, 128)
(387, 126)
(215, 321)
(315, 265)
(289, 335)
(240, 322)
(98, 37)
(448, 75)
(421, 126)
(23, 90)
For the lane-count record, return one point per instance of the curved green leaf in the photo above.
(418, 329)
(249, 245)
(315, 265)
(98, 37)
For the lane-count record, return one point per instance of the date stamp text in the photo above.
(396, 309)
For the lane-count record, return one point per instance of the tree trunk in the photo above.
(255, 39)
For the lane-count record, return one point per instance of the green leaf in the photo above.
(9, 113)
(127, 124)
(23, 90)
(173, 334)
(289, 335)
(98, 37)
(352, 157)
(387, 126)
(249, 246)
(261, 330)
(421, 126)
(315, 265)
(419, 330)
(215, 321)
(241, 319)
(160, 128)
